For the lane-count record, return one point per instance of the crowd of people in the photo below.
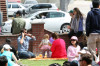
(55, 46)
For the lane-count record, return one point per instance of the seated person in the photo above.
(23, 45)
(58, 47)
(42, 16)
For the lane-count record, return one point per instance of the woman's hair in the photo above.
(79, 14)
(46, 36)
(55, 35)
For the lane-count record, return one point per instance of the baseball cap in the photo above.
(71, 11)
(6, 46)
(74, 37)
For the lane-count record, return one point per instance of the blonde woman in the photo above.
(44, 45)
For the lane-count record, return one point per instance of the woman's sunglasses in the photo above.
(73, 40)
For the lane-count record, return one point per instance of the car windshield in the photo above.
(30, 2)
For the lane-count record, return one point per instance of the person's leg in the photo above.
(48, 53)
(98, 47)
(24, 55)
(16, 54)
(43, 53)
(91, 44)
(31, 54)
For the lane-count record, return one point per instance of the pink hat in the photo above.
(74, 37)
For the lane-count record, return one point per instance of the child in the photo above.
(6, 52)
(73, 49)
(45, 45)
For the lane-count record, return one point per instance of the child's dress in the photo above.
(45, 44)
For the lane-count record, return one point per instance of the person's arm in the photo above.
(33, 37)
(12, 26)
(12, 23)
(22, 39)
(79, 48)
(88, 24)
(80, 28)
(14, 58)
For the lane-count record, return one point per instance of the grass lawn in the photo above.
(40, 62)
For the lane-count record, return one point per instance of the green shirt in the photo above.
(17, 25)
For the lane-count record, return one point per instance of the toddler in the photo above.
(45, 45)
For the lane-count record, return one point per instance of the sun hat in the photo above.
(6, 46)
(71, 11)
(74, 37)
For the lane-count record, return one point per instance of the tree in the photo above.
(64, 5)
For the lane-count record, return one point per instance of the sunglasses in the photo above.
(73, 40)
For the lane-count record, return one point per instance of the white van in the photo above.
(28, 3)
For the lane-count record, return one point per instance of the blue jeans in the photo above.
(26, 54)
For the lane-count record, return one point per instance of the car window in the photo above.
(55, 14)
(41, 15)
(15, 6)
(9, 5)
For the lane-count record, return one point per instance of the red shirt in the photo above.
(58, 49)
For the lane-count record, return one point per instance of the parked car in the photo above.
(28, 3)
(41, 7)
(14, 7)
(54, 21)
